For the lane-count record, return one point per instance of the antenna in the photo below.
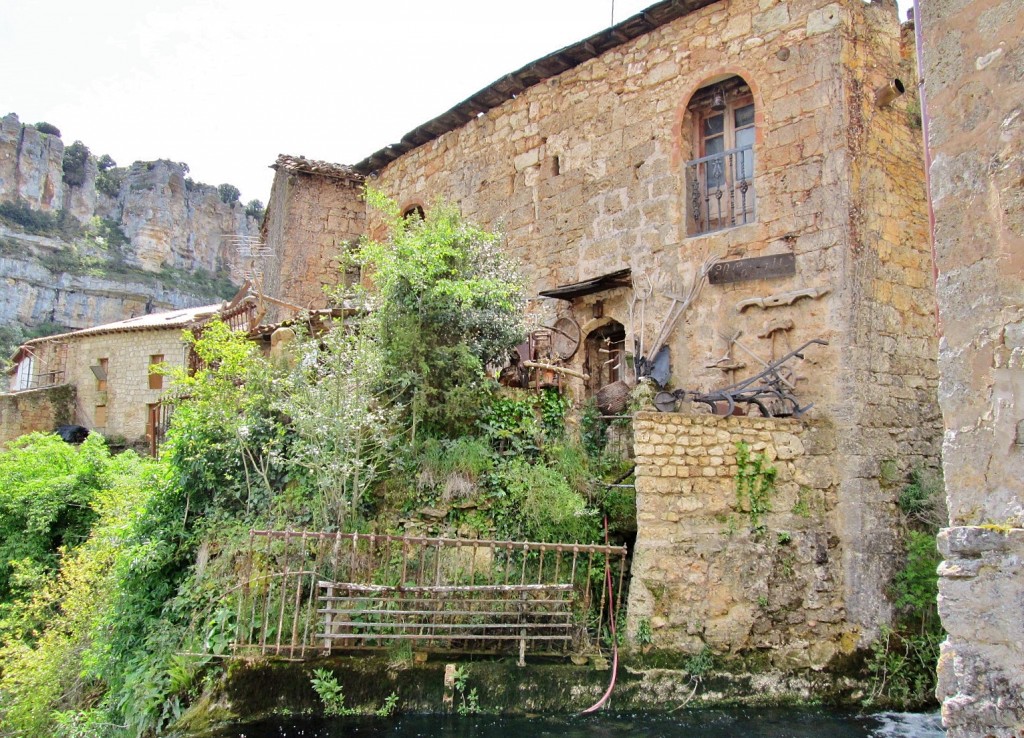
(613, 13)
(252, 256)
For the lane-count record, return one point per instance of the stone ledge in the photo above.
(974, 541)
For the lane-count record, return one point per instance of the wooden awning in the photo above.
(621, 278)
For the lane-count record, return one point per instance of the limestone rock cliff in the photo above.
(84, 242)
(31, 165)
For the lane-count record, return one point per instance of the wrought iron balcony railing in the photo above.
(721, 190)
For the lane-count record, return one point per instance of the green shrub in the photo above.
(228, 193)
(20, 213)
(46, 490)
(447, 302)
(76, 159)
(48, 128)
(254, 209)
(109, 180)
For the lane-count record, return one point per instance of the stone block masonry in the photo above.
(35, 410)
(973, 69)
(705, 572)
(586, 173)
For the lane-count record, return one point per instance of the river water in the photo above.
(708, 723)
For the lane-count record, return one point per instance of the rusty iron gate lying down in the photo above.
(304, 594)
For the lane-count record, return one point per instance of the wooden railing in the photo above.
(304, 593)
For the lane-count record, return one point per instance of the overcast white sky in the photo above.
(227, 85)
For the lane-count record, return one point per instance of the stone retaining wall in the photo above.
(35, 410)
(703, 576)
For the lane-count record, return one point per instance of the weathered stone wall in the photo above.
(311, 221)
(702, 574)
(887, 381)
(585, 173)
(35, 410)
(974, 82)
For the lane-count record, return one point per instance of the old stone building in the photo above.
(973, 72)
(766, 135)
(101, 378)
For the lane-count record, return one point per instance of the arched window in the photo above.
(414, 211)
(720, 175)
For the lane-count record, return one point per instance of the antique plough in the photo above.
(769, 391)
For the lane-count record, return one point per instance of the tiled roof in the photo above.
(315, 166)
(533, 73)
(154, 321)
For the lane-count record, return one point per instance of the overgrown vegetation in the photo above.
(903, 659)
(48, 128)
(229, 194)
(76, 160)
(20, 214)
(113, 614)
(254, 209)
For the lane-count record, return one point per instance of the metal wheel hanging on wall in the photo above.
(565, 338)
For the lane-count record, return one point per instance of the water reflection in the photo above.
(737, 723)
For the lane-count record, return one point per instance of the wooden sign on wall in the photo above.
(757, 267)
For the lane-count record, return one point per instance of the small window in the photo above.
(99, 418)
(26, 370)
(720, 177)
(156, 379)
(101, 375)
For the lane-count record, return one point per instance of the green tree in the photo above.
(343, 420)
(46, 490)
(447, 302)
(254, 209)
(48, 128)
(76, 159)
(225, 443)
(228, 193)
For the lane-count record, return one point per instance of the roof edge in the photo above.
(511, 85)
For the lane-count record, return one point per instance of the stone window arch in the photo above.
(719, 130)
(414, 210)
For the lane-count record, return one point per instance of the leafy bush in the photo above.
(254, 209)
(903, 658)
(541, 506)
(46, 490)
(228, 193)
(105, 163)
(20, 213)
(52, 634)
(447, 303)
(76, 159)
(109, 180)
(331, 694)
(48, 128)
(343, 422)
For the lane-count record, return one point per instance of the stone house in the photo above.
(767, 135)
(111, 370)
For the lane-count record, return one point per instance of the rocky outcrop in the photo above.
(31, 165)
(98, 243)
(173, 222)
